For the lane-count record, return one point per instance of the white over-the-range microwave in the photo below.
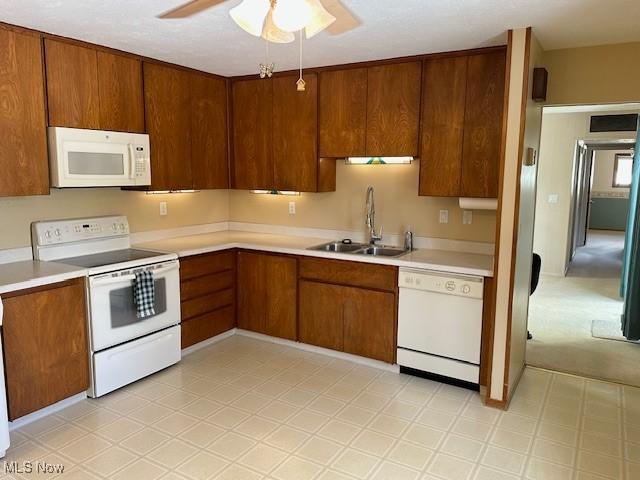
(97, 158)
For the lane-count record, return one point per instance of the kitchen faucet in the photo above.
(371, 218)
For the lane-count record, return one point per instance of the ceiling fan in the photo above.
(277, 20)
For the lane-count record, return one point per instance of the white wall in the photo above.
(508, 214)
(526, 221)
(560, 132)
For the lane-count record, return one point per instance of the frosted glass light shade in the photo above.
(250, 15)
(291, 15)
(273, 33)
(320, 18)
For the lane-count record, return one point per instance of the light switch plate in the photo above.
(444, 216)
(467, 217)
(552, 198)
(292, 208)
(163, 208)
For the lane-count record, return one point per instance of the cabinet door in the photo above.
(72, 85)
(168, 118)
(209, 132)
(369, 323)
(267, 293)
(251, 293)
(45, 346)
(321, 320)
(393, 109)
(442, 126)
(23, 141)
(281, 278)
(295, 134)
(252, 163)
(483, 124)
(343, 113)
(120, 93)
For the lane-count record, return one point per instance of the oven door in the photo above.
(113, 317)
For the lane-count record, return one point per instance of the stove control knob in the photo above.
(58, 232)
(47, 234)
(122, 227)
(450, 285)
(114, 227)
(466, 289)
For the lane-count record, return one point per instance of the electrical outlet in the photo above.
(163, 208)
(444, 216)
(292, 208)
(467, 217)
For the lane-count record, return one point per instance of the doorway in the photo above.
(581, 217)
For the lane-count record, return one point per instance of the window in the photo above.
(622, 170)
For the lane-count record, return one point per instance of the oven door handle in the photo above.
(98, 282)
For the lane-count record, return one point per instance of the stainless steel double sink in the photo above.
(360, 249)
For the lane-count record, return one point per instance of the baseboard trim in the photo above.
(43, 412)
(323, 351)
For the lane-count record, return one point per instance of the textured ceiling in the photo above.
(390, 28)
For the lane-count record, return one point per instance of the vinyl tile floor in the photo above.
(248, 409)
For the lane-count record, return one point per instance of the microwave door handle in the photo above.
(132, 162)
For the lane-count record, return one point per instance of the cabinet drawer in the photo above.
(366, 275)
(209, 325)
(200, 286)
(207, 303)
(209, 263)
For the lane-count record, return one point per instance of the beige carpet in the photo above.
(562, 311)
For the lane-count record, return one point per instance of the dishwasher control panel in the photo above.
(459, 285)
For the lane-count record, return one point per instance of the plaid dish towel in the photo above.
(144, 294)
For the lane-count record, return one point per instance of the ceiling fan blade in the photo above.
(190, 8)
(345, 19)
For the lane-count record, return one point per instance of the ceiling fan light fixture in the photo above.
(320, 18)
(273, 33)
(291, 15)
(250, 15)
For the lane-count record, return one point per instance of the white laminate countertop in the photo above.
(437, 260)
(32, 273)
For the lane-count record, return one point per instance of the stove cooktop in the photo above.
(109, 258)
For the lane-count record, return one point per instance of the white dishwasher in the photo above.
(440, 325)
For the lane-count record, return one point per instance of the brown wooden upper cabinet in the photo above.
(275, 131)
(252, 102)
(462, 113)
(343, 113)
(186, 121)
(372, 111)
(23, 141)
(93, 89)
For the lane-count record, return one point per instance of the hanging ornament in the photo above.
(301, 85)
(266, 68)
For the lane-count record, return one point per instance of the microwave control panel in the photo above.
(75, 230)
(141, 160)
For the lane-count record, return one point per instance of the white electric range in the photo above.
(123, 348)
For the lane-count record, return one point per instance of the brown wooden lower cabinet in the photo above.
(207, 295)
(350, 319)
(321, 320)
(207, 325)
(46, 356)
(267, 292)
